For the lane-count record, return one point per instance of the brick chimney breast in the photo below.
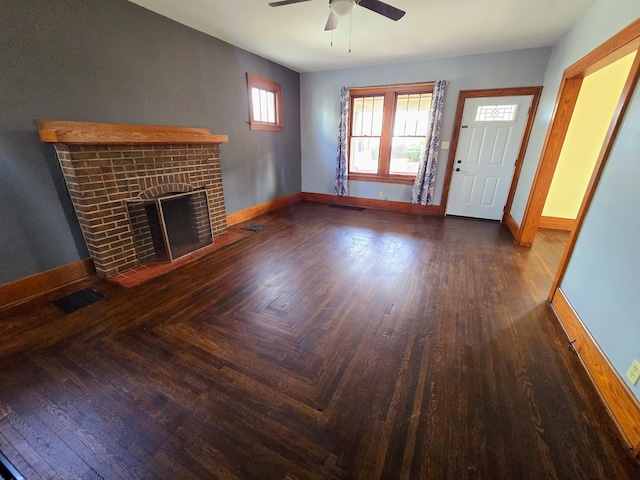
(104, 177)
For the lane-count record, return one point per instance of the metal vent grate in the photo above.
(253, 227)
(81, 298)
(346, 207)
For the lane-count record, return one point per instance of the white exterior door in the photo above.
(488, 146)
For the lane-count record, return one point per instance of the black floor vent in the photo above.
(8, 471)
(346, 207)
(81, 298)
(253, 227)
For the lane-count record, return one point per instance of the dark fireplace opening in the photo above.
(171, 226)
(155, 230)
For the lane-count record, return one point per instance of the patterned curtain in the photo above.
(342, 169)
(426, 177)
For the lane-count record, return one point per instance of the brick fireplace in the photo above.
(114, 171)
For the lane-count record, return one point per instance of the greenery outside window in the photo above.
(387, 130)
(265, 104)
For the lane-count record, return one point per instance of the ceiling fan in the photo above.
(340, 8)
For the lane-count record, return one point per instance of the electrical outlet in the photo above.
(633, 373)
(381, 194)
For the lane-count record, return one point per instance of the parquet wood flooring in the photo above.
(333, 344)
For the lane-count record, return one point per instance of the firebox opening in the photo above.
(171, 226)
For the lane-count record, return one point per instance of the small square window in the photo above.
(265, 104)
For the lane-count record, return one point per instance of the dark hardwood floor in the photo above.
(332, 344)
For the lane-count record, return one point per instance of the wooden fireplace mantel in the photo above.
(89, 133)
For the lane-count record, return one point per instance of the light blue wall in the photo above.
(601, 281)
(598, 24)
(320, 94)
(602, 278)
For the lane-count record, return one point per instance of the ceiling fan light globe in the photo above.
(342, 7)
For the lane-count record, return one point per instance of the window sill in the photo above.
(363, 177)
(269, 127)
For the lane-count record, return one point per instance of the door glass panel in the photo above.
(496, 113)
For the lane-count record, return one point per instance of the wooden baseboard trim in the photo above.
(622, 405)
(374, 204)
(251, 212)
(34, 285)
(511, 224)
(557, 223)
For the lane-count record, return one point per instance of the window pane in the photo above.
(412, 114)
(377, 111)
(255, 102)
(271, 108)
(363, 154)
(405, 155)
(264, 106)
(356, 117)
(367, 116)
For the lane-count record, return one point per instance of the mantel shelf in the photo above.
(88, 133)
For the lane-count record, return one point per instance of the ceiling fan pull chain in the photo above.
(350, 28)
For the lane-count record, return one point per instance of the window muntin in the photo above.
(265, 104)
(387, 131)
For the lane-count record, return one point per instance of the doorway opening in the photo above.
(622, 47)
(595, 107)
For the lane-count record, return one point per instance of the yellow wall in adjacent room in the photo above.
(594, 110)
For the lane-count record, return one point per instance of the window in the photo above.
(388, 126)
(496, 113)
(265, 104)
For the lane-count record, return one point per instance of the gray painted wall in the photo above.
(320, 94)
(113, 61)
(598, 24)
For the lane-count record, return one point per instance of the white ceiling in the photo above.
(294, 35)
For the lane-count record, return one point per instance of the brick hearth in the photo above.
(104, 176)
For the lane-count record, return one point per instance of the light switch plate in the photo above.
(444, 145)
(633, 373)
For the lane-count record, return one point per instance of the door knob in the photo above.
(459, 161)
(457, 169)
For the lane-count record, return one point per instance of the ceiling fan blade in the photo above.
(286, 2)
(332, 22)
(383, 9)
